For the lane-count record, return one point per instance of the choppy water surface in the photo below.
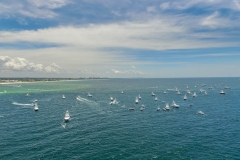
(99, 130)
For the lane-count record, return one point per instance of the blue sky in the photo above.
(127, 38)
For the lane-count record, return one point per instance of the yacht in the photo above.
(175, 105)
(89, 95)
(153, 94)
(67, 116)
(200, 112)
(185, 97)
(35, 107)
(63, 97)
(222, 92)
(194, 94)
(136, 100)
(156, 99)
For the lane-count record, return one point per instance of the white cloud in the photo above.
(53, 68)
(151, 9)
(130, 72)
(21, 64)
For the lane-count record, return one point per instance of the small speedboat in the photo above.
(89, 95)
(156, 99)
(35, 107)
(200, 112)
(222, 92)
(67, 116)
(131, 109)
(158, 109)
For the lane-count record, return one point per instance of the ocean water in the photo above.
(99, 130)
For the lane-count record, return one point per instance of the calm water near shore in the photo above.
(99, 130)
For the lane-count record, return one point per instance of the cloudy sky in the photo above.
(127, 38)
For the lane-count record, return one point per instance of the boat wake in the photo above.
(64, 125)
(22, 104)
(85, 100)
(3, 92)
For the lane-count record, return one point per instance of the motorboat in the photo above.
(89, 95)
(67, 116)
(153, 94)
(131, 109)
(78, 97)
(200, 112)
(63, 97)
(142, 108)
(175, 105)
(164, 92)
(136, 100)
(185, 97)
(222, 92)
(35, 107)
(158, 109)
(156, 99)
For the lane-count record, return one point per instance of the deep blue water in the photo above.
(98, 130)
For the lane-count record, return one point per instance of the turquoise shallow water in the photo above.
(98, 130)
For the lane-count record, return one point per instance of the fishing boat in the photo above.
(67, 116)
(185, 97)
(222, 92)
(35, 107)
(175, 105)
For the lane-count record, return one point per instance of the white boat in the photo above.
(194, 94)
(27, 94)
(175, 105)
(136, 100)
(114, 101)
(122, 92)
(167, 107)
(63, 97)
(67, 116)
(185, 97)
(222, 92)
(200, 112)
(226, 87)
(158, 109)
(156, 99)
(35, 100)
(130, 109)
(142, 108)
(153, 94)
(78, 97)
(35, 107)
(111, 99)
(188, 92)
(139, 97)
(178, 93)
(164, 92)
(89, 95)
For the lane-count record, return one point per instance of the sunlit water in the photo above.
(99, 130)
